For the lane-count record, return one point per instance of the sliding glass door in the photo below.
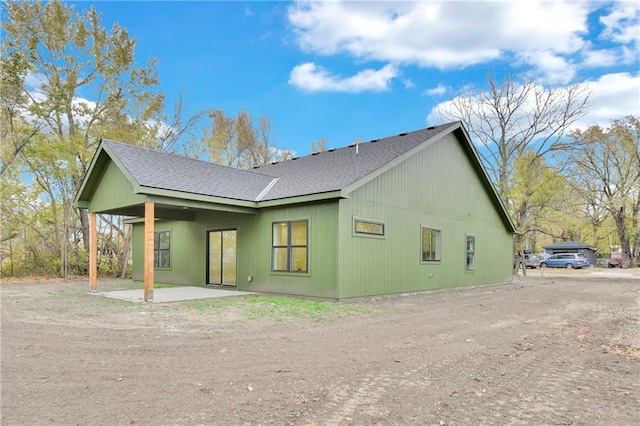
(221, 252)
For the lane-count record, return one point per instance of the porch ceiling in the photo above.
(174, 209)
(166, 212)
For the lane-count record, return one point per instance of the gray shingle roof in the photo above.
(567, 245)
(327, 171)
(336, 169)
(160, 170)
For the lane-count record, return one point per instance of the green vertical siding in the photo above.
(113, 191)
(182, 265)
(437, 188)
(321, 280)
(188, 250)
(188, 246)
(137, 252)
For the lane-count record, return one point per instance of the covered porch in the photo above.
(149, 211)
(136, 183)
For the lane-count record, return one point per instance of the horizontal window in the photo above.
(431, 241)
(368, 227)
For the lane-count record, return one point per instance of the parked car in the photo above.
(615, 262)
(566, 260)
(531, 261)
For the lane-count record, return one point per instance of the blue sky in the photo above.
(346, 70)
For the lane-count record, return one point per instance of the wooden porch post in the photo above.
(93, 252)
(149, 216)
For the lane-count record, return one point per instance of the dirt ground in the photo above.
(541, 350)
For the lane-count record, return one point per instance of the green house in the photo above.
(406, 213)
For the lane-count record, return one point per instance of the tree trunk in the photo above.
(625, 245)
(84, 227)
(126, 250)
(635, 249)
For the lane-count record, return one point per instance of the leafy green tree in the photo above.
(241, 142)
(15, 129)
(220, 140)
(69, 82)
(606, 174)
(535, 189)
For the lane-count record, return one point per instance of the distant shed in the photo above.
(573, 247)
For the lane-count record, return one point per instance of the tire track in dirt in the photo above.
(367, 401)
(346, 399)
(542, 385)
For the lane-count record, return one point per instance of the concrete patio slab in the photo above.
(173, 294)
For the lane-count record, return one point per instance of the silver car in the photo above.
(566, 260)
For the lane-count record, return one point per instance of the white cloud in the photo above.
(600, 58)
(443, 35)
(409, 32)
(313, 78)
(623, 23)
(613, 96)
(439, 90)
(408, 83)
(554, 69)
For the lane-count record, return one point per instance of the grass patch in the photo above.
(282, 308)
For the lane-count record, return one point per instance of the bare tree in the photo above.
(319, 146)
(512, 119)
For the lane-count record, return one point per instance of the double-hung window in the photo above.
(431, 241)
(290, 246)
(162, 249)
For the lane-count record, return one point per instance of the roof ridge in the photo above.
(374, 140)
